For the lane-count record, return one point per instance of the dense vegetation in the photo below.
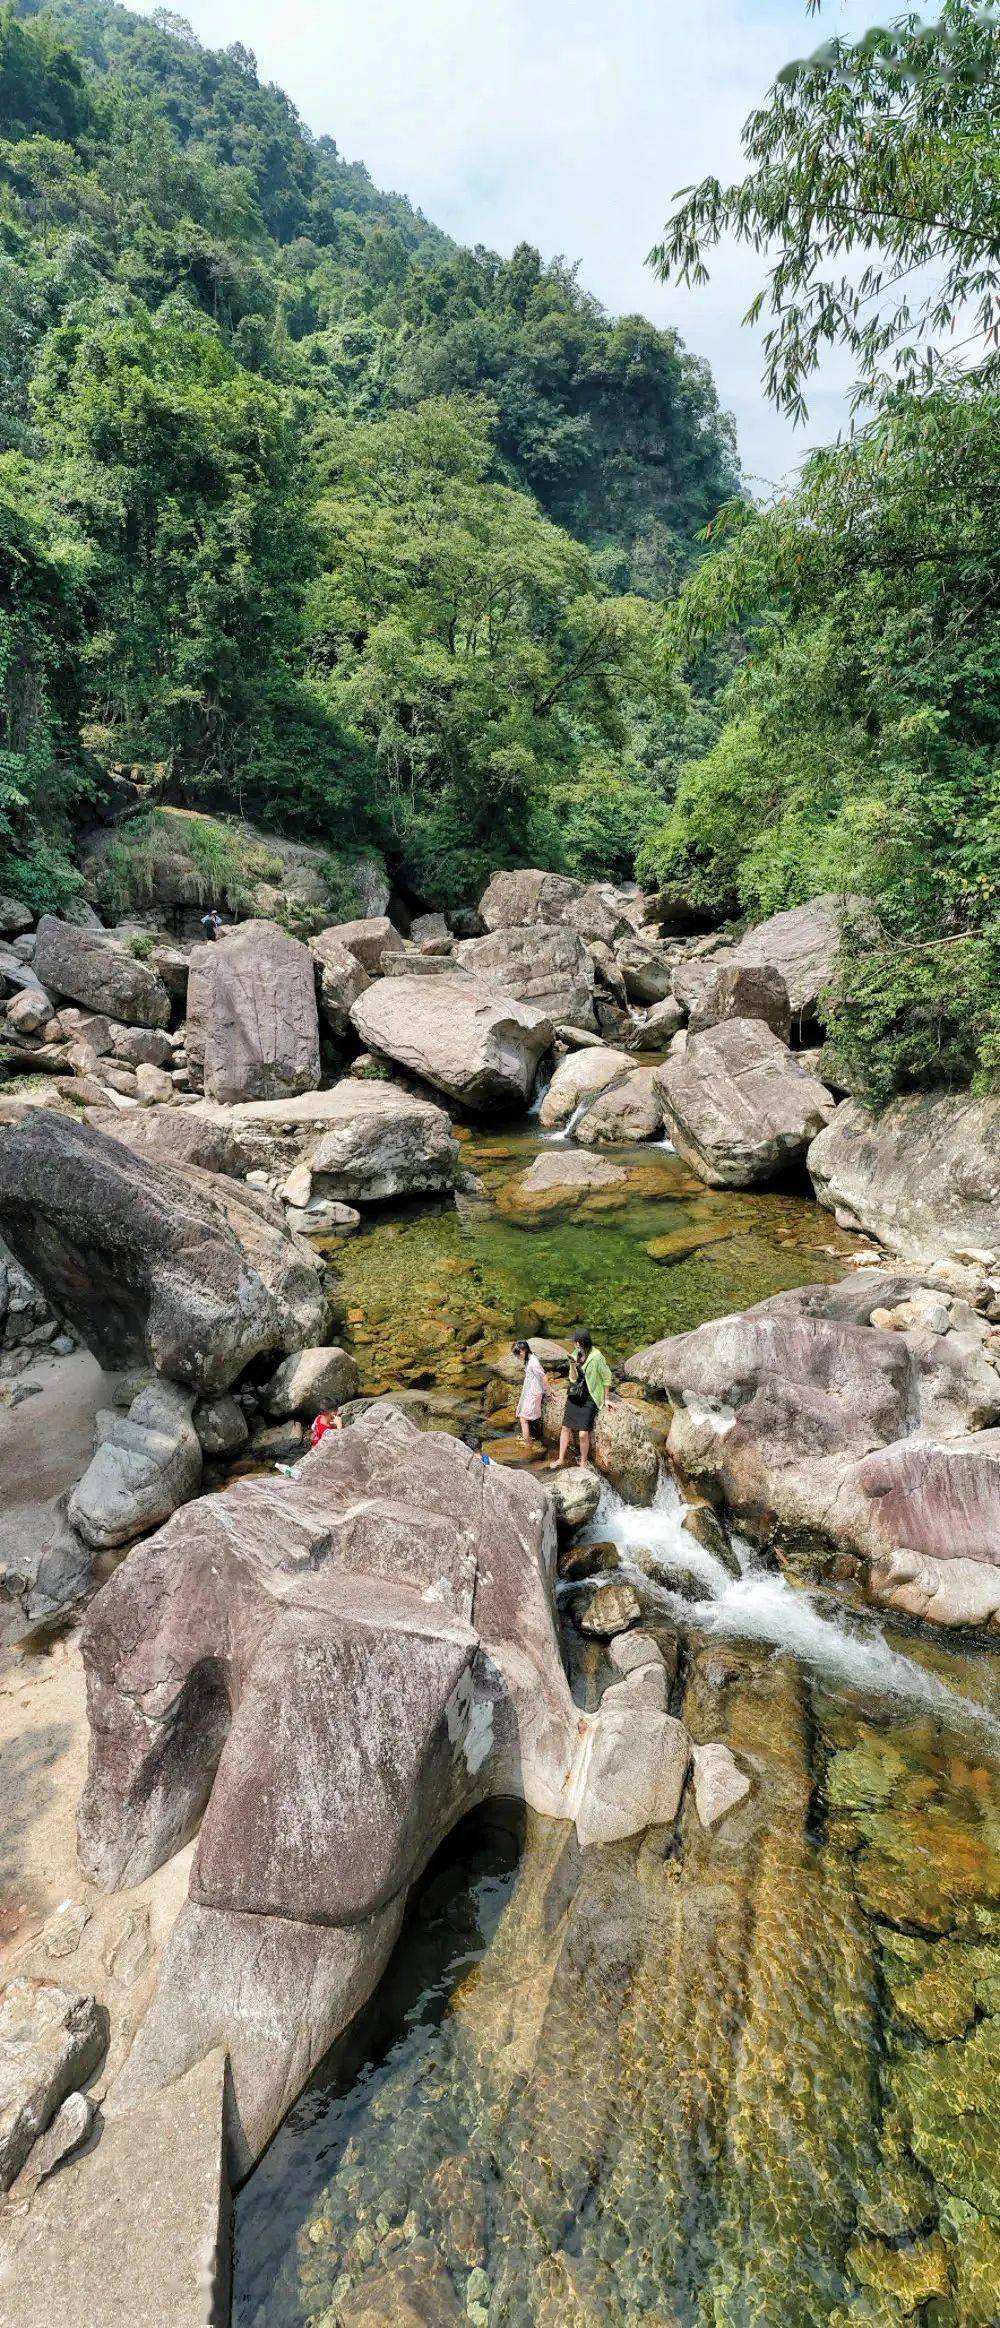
(305, 512)
(861, 747)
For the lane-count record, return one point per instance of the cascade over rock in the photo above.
(815, 1415)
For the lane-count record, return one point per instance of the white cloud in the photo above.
(567, 123)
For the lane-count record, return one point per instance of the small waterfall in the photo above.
(758, 1605)
(580, 1110)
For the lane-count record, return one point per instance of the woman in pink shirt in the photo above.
(535, 1385)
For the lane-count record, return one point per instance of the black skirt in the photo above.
(581, 1410)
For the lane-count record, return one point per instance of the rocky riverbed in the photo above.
(473, 1801)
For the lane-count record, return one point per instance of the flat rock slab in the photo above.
(134, 2234)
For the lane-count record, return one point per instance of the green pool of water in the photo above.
(744, 2079)
(427, 1291)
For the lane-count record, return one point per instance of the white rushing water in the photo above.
(758, 1605)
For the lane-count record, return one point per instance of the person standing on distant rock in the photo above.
(589, 1384)
(211, 924)
(535, 1385)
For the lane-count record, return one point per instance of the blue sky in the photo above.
(567, 123)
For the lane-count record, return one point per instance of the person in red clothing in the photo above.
(330, 1420)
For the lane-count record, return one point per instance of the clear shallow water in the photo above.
(738, 2080)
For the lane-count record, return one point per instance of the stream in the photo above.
(747, 2078)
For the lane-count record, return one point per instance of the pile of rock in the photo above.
(860, 1419)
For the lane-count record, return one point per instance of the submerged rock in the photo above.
(719, 1783)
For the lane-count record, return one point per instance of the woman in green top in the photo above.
(589, 1383)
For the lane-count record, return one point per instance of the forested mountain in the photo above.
(306, 512)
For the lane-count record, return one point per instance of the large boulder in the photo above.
(745, 991)
(341, 978)
(737, 1107)
(368, 941)
(380, 1142)
(578, 1079)
(860, 1416)
(550, 968)
(252, 1022)
(148, 1463)
(646, 970)
(801, 944)
(923, 1177)
(324, 1674)
(149, 1263)
(457, 1035)
(309, 1382)
(514, 900)
(625, 1112)
(90, 967)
